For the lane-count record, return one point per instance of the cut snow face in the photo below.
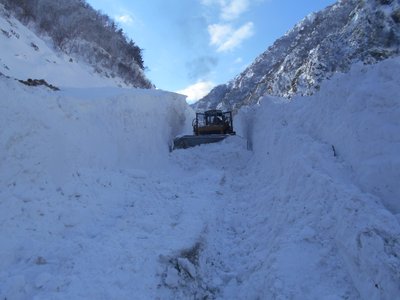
(94, 206)
(356, 116)
(327, 170)
(88, 128)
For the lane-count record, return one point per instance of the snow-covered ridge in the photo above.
(24, 55)
(320, 45)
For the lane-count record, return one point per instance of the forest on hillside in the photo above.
(85, 33)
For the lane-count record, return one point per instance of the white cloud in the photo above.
(225, 38)
(197, 91)
(233, 9)
(219, 33)
(229, 9)
(224, 35)
(125, 19)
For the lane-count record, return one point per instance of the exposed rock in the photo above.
(37, 82)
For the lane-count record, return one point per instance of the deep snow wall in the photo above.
(85, 207)
(328, 166)
(357, 115)
(54, 134)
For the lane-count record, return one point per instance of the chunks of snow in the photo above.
(172, 278)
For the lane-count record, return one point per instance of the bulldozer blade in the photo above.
(188, 141)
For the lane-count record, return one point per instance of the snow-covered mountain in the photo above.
(26, 54)
(323, 43)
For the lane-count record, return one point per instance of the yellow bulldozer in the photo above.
(210, 126)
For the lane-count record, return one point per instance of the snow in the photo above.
(330, 173)
(82, 196)
(301, 204)
(320, 45)
(24, 55)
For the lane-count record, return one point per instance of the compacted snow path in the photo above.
(209, 169)
(305, 232)
(252, 246)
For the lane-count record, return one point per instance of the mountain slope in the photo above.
(323, 43)
(70, 33)
(24, 55)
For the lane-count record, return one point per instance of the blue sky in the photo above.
(190, 46)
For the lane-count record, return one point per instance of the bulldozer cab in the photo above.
(213, 122)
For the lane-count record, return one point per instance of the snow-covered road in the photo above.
(264, 237)
(94, 206)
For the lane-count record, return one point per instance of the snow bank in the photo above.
(85, 208)
(358, 116)
(328, 170)
(56, 133)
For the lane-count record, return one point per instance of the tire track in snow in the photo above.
(198, 271)
(258, 238)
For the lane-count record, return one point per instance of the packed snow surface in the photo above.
(302, 204)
